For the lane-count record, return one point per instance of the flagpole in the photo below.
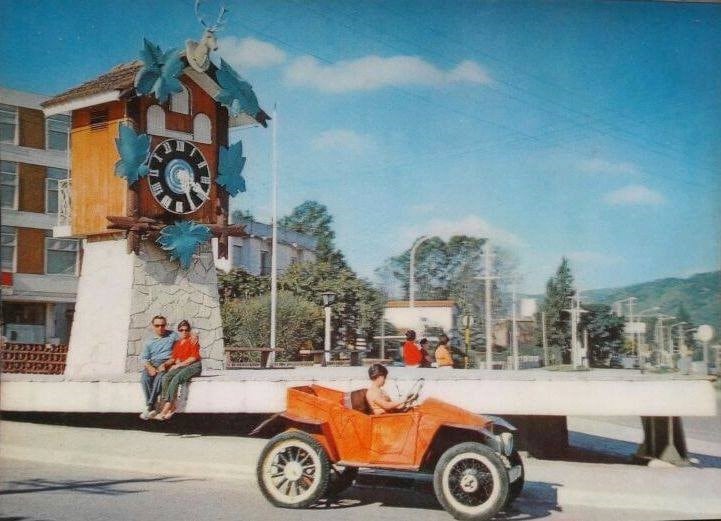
(274, 242)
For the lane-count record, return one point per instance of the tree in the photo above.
(239, 284)
(450, 270)
(312, 218)
(605, 332)
(241, 215)
(559, 290)
(299, 323)
(358, 305)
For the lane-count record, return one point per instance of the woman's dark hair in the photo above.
(443, 339)
(423, 341)
(410, 335)
(184, 323)
(377, 370)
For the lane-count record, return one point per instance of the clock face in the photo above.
(179, 176)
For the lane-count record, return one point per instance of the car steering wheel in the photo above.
(413, 393)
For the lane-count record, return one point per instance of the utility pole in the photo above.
(487, 277)
(575, 312)
(274, 245)
(514, 330)
(545, 339)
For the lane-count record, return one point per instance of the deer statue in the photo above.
(198, 53)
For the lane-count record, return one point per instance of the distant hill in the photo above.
(700, 294)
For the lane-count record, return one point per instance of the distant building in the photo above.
(253, 253)
(39, 272)
(425, 315)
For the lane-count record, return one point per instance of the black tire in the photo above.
(516, 487)
(340, 479)
(471, 482)
(293, 470)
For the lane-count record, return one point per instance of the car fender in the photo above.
(283, 420)
(497, 420)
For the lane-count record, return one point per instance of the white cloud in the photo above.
(471, 225)
(634, 195)
(343, 140)
(249, 52)
(375, 72)
(601, 166)
(594, 257)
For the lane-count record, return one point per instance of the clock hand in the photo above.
(185, 181)
(198, 189)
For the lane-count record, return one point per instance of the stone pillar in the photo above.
(120, 292)
(161, 287)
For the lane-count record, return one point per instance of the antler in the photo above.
(219, 22)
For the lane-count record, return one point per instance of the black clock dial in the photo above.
(179, 176)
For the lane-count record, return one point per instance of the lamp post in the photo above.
(639, 353)
(328, 300)
(467, 324)
(412, 271)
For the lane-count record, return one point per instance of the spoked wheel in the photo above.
(471, 481)
(340, 479)
(293, 470)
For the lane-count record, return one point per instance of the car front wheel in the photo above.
(293, 470)
(471, 482)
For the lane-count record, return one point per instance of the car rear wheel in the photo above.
(471, 481)
(293, 470)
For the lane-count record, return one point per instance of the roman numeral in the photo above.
(179, 207)
(166, 202)
(167, 147)
(157, 157)
(205, 179)
(202, 164)
(180, 146)
(154, 173)
(156, 188)
(192, 152)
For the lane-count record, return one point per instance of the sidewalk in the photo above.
(690, 490)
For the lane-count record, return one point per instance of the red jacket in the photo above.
(411, 353)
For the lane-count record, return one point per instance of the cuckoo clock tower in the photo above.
(152, 171)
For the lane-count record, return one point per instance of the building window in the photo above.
(8, 124)
(98, 119)
(180, 101)
(58, 127)
(52, 180)
(61, 255)
(9, 184)
(202, 129)
(237, 253)
(156, 120)
(7, 254)
(265, 263)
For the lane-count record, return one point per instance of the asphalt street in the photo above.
(44, 492)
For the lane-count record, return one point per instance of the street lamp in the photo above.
(328, 300)
(412, 271)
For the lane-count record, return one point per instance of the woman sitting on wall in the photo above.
(184, 363)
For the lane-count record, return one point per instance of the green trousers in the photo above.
(177, 376)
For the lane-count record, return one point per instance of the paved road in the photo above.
(42, 492)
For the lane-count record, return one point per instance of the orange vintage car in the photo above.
(325, 435)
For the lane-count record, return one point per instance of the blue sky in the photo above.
(585, 129)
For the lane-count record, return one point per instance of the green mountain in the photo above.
(700, 294)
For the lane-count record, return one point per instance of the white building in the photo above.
(253, 253)
(424, 315)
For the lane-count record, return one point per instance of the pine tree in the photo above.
(559, 291)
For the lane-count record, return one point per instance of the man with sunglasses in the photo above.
(156, 353)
